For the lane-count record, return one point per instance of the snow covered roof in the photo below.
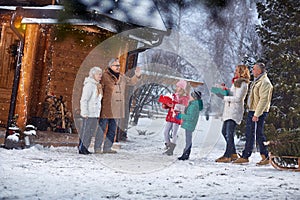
(116, 16)
(139, 12)
(48, 7)
(128, 12)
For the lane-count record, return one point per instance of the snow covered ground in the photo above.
(140, 171)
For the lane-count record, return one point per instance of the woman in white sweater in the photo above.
(90, 108)
(233, 111)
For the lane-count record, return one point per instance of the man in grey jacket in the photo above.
(259, 101)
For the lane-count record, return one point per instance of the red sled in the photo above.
(166, 100)
(168, 103)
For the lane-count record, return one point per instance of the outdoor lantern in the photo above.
(30, 130)
(19, 25)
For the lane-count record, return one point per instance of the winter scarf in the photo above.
(257, 78)
(238, 82)
(233, 79)
(99, 89)
(114, 73)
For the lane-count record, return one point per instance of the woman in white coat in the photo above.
(90, 108)
(233, 111)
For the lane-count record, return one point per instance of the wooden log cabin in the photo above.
(55, 51)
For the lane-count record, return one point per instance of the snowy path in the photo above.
(140, 171)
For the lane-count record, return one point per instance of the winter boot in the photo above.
(185, 155)
(167, 146)
(82, 149)
(220, 158)
(224, 159)
(264, 160)
(234, 157)
(107, 147)
(169, 152)
(241, 161)
(98, 151)
(109, 151)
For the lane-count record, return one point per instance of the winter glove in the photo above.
(138, 72)
(220, 95)
(178, 116)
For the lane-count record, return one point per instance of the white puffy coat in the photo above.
(90, 102)
(234, 104)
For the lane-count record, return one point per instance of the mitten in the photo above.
(178, 116)
(220, 95)
(138, 72)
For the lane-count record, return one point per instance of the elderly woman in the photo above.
(90, 107)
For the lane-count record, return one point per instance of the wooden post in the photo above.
(27, 75)
(122, 58)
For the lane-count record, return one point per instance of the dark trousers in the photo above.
(188, 140)
(250, 135)
(88, 128)
(228, 131)
(111, 131)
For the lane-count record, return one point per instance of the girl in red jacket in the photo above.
(179, 102)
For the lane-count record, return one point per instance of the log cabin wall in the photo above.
(67, 56)
(63, 54)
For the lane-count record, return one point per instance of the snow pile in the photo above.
(14, 137)
(13, 134)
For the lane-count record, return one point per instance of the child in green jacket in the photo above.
(190, 118)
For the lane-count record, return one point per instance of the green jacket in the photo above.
(191, 116)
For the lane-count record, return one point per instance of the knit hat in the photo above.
(182, 84)
(196, 95)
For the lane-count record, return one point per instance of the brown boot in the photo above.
(264, 160)
(240, 161)
(217, 160)
(234, 157)
(109, 151)
(224, 159)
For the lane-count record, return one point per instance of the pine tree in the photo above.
(280, 37)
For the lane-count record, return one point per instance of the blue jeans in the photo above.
(228, 131)
(250, 134)
(111, 131)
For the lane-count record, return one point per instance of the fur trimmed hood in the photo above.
(238, 82)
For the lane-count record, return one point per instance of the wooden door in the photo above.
(7, 69)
